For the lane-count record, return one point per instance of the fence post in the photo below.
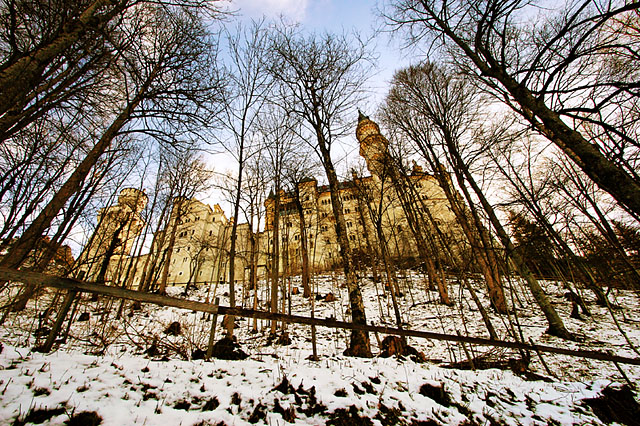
(624, 376)
(544, 364)
(66, 304)
(466, 351)
(212, 335)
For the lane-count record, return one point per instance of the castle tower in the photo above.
(118, 227)
(373, 146)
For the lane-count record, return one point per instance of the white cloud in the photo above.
(292, 9)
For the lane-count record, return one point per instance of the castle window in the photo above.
(180, 273)
(178, 251)
(324, 228)
(399, 228)
(349, 224)
(347, 211)
(296, 237)
(329, 254)
(352, 237)
(184, 260)
(210, 233)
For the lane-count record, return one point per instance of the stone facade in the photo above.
(371, 205)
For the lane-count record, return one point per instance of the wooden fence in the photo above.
(73, 287)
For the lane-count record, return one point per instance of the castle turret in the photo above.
(373, 146)
(133, 198)
(118, 227)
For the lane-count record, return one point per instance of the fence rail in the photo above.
(74, 286)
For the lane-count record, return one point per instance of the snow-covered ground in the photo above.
(106, 366)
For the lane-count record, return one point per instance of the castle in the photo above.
(374, 207)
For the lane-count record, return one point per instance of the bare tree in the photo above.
(254, 192)
(532, 187)
(52, 53)
(277, 132)
(448, 104)
(296, 174)
(165, 78)
(249, 84)
(556, 74)
(375, 148)
(320, 78)
(187, 176)
(410, 109)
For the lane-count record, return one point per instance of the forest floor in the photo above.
(143, 369)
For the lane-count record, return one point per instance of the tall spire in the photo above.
(361, 116)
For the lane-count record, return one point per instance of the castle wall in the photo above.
(200, 252)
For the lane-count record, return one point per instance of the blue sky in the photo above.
(336, 16)
(329, 14)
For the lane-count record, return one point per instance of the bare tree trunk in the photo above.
(556, 326)
(359, 344)
(275, 260)
(304, 252)
(162, 289)
(20, 77)
(20, 250)
(496, 294)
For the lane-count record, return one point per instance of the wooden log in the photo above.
(69, 284)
